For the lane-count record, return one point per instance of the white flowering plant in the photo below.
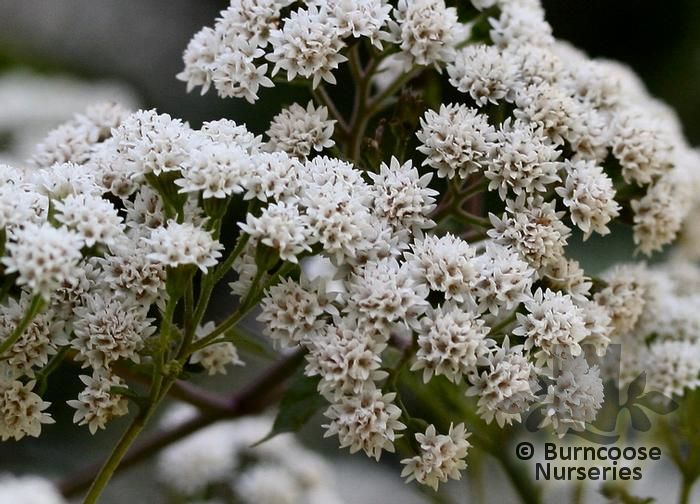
(401, 237)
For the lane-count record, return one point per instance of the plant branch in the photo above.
(321, 96)
(252, 400)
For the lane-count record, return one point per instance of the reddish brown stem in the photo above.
(252, 400)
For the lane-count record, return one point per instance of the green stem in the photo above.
(189, 316)
(470, 219)
(137, 425)
(164, 337)
(34, 308)
(378, 102)
(322, 97)
(210, 281)
(251, 400)
(503, 323)
(252, 298)
(42, 376)
(225, 266)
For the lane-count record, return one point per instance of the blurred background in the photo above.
(58, 56)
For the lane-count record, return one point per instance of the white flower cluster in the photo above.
(221, 459)
(539, 118)
(540, 123)
(89, 245)
(373, 271)
(658, 326)
(253, 39)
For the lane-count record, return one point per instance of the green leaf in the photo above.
(249, 344)
(299, 404)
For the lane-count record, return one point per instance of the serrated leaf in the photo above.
(658, 402)
(300, 402)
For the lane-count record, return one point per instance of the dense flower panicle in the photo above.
(250, 19)
(451, 342)
(525, 160)
(93, 218)
(148, 142)
(574, 397)
(589, 195)
(503, 278)
(282, 228)
(658, 215)
(293, 312)
(75, 140)
(299, 132)
(236, 73)
(130, 274)
(275, 177)
(486, 73)
(107, 330)
(441, 456)
(97, 404)
(246, 269)
(368, 421)
(307, 45)
(346, 358)
(403, 197)
(43, 256)
(340, 254)
(566, 275)
(19, 205)
(534, 228)
(445, 264)
(550, 108)
(427, 32)
(230, 133)
(457, 139)
(61, 180)
(337, 204)
(217, 170)
(623, 297)
(521, 22)
(183, 244)
(598, 324)
(507, 388)
(21, 410)
(383, 295)
(643, 150)
(553, 326)
(361, 18)
(145, 211)
(70, 294)
(42, 338)
(199, 57)
(672, 367)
